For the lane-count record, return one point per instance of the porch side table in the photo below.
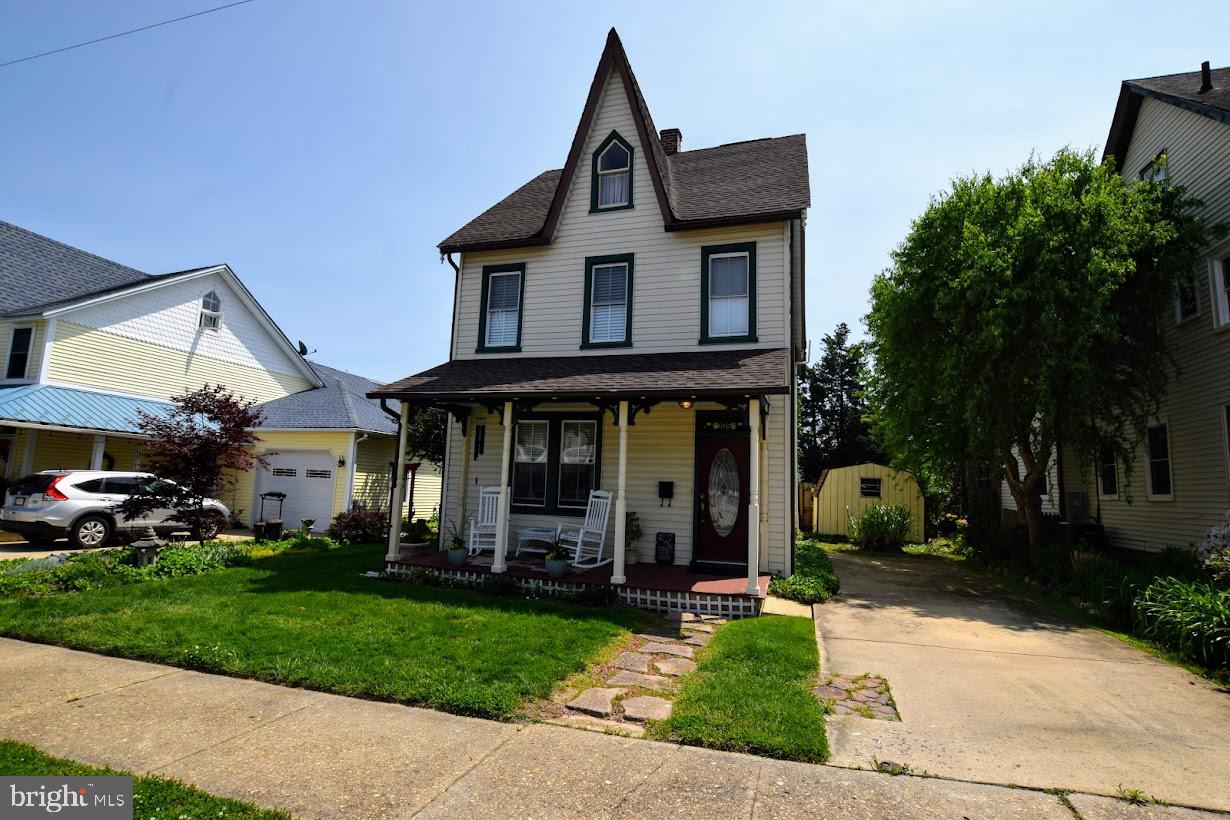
(529, 539)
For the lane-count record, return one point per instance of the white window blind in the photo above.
(503, 307)
(614, 173)
(609, 303)
(728, 294)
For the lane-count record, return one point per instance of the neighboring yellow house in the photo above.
(845, 491)
(87, 344)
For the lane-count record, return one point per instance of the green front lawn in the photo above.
(151, 796)
(751, 692)
(309, 619)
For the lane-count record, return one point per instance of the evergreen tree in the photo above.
(832, 429)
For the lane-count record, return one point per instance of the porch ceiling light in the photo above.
(686, 404)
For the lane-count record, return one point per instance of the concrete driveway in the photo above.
(993, 689)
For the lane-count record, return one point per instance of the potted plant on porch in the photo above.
(557, 560)
(456, 546)
(632, 534)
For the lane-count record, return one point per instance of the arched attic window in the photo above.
(612, 177)
(211, 311)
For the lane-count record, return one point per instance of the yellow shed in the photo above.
(845, 491)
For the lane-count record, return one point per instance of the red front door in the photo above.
(721, 488)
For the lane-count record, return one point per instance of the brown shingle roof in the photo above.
(1180, 90)
(667, 375)
(740, 182)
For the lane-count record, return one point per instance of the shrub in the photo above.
(880, 528)
(416, 531)
(1191, 618)
(359, 527)
(814, 581)
(1214, 551)
(174, 562)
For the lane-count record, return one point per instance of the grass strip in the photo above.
(751, 692)
(151, 796)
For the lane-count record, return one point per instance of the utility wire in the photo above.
(123, 33)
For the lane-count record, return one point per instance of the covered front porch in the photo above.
(664, 588)
(699, 469)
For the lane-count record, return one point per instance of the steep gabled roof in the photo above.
(1180, 90)
(754, 181)
(36, 270)
(341, 404)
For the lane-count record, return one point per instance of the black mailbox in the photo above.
(666, 491)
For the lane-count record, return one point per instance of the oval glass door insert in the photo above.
(724, 492)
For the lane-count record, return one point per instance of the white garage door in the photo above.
(306, 476)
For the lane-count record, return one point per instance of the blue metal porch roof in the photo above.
(69, 407)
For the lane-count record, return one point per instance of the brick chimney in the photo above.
(1206, 84)
(672, 140)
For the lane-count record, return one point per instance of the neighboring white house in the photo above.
(633, 323)
(86, 344)
(1179, 486)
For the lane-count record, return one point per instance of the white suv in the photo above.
(81, 505)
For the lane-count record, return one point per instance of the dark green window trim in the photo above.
(705, 252)
(590, 263)
(488, 270)
(554, 433)
(593, 182)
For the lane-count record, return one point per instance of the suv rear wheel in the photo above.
(90, 531)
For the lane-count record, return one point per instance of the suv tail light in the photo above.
(53, 491)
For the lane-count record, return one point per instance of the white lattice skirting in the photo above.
(654, 600)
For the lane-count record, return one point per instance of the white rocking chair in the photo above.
(587, 539)
(482, 531)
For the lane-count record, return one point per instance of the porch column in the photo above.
(464, 479)
(753, 503)
(621, 502)
(399, 485)
(96, 455)
(27, 454)
(501, 521)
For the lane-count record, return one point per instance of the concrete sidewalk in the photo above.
(326, 756)
(319, 755)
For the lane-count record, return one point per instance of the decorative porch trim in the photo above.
(653, 600)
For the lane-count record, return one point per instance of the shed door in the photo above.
(307, 477)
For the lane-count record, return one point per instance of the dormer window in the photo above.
(211, 311)
(612, 178)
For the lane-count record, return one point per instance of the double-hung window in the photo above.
(577, 456)
(1221, 290)
(1187, 304)
(19, 353)
(555, 463)
(1158, 446)
(502, 301)
(1108, 472)
(728, 293)
(608, 302)
(612, 177)
(530, 463)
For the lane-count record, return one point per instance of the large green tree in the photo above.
(833, 430)
(1026, 312)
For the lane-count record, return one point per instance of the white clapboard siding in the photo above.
(1198, 151)
(666, 278)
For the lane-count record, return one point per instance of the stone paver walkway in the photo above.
(864, 695)
(320, 755)
(642, 679)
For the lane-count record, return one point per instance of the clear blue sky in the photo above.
(323, 148)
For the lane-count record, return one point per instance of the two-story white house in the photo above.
(632, 323)
(87, 344)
